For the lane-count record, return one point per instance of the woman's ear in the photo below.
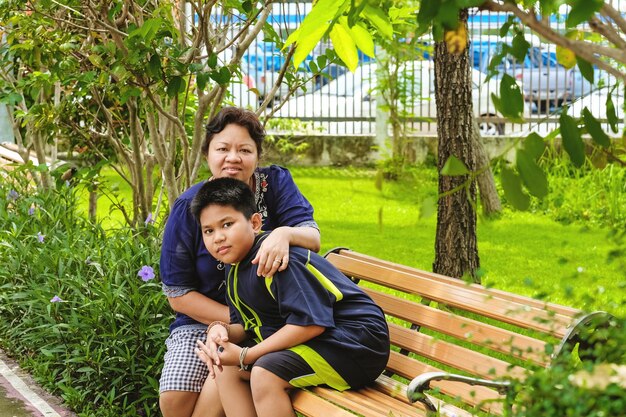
(257, 222)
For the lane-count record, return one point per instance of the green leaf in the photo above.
(595, 129)
(201, 80)
(312, 28)
(465, 4)
(506, 26)
(427, 12)
(511, 101)
(611, 114)
(148, 30)
(448, 16)
(306, 45)
(379, 20)
(581, 11)
(454, 167)
(322, 61)
(174, 86)
(534, 145)
(154, 66)
(512, 186)
(519, 47)
(378, 181)
(438, 33)
(586, 69)
(363, 39)
(532, 175)
(96, 60)
(221, 76)
(572, 141)
(212, 61)
(428, 207)
(344, 45)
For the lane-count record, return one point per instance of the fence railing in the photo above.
(345, 102)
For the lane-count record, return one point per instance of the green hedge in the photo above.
(80, 307)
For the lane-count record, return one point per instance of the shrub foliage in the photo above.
(80, 307)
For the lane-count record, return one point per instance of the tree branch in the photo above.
(585, 50)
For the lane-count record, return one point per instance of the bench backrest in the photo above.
(439, 323)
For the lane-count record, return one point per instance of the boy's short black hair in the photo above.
(224, 192)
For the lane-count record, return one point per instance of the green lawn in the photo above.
(523, 252)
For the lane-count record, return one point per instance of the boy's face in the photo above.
(226, 232)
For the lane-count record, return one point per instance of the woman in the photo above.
(194, 281)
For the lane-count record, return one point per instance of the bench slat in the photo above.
(472, 395)
(361, 403)
(482, 334)
(561, 309)
(451, 355)
(396, 389)
(310, 404)
(459, 297)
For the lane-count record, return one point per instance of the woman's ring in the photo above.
(279, 261)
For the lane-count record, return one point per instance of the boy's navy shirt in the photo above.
(185, 263)
(311, 291)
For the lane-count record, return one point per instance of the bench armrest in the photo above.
(420, 384)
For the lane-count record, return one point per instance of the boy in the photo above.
(307, 325)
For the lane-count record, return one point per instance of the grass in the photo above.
(522, 252)
(528, 253)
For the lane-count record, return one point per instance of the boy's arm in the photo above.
(288, 336)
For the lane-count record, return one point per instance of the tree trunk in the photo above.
(489, 198)
(456, 251)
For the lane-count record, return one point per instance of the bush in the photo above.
(77, 308)
(588, 382)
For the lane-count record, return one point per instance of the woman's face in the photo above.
(232, 153)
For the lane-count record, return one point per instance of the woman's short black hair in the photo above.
(224, 192)
(238, 116)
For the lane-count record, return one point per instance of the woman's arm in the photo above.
(273, 255)
(199, 307)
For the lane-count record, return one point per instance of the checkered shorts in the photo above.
(183, 370)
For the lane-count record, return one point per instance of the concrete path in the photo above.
(21, 396)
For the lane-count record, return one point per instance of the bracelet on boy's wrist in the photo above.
(221, 323)
(242, 357)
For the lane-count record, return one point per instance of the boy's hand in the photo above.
(229, 354)
(273, 255)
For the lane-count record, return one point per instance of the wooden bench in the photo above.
(449, 340)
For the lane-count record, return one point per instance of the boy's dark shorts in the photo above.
(289, 366)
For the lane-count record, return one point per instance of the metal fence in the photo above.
(344, 103)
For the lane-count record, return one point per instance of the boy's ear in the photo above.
(257, 222)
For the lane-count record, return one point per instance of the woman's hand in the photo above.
(273, 255)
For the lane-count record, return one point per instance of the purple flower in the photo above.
(31, 210)
(56, 299)
(146, 273)
(13, 195)
(40, 237)
(149, 219)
